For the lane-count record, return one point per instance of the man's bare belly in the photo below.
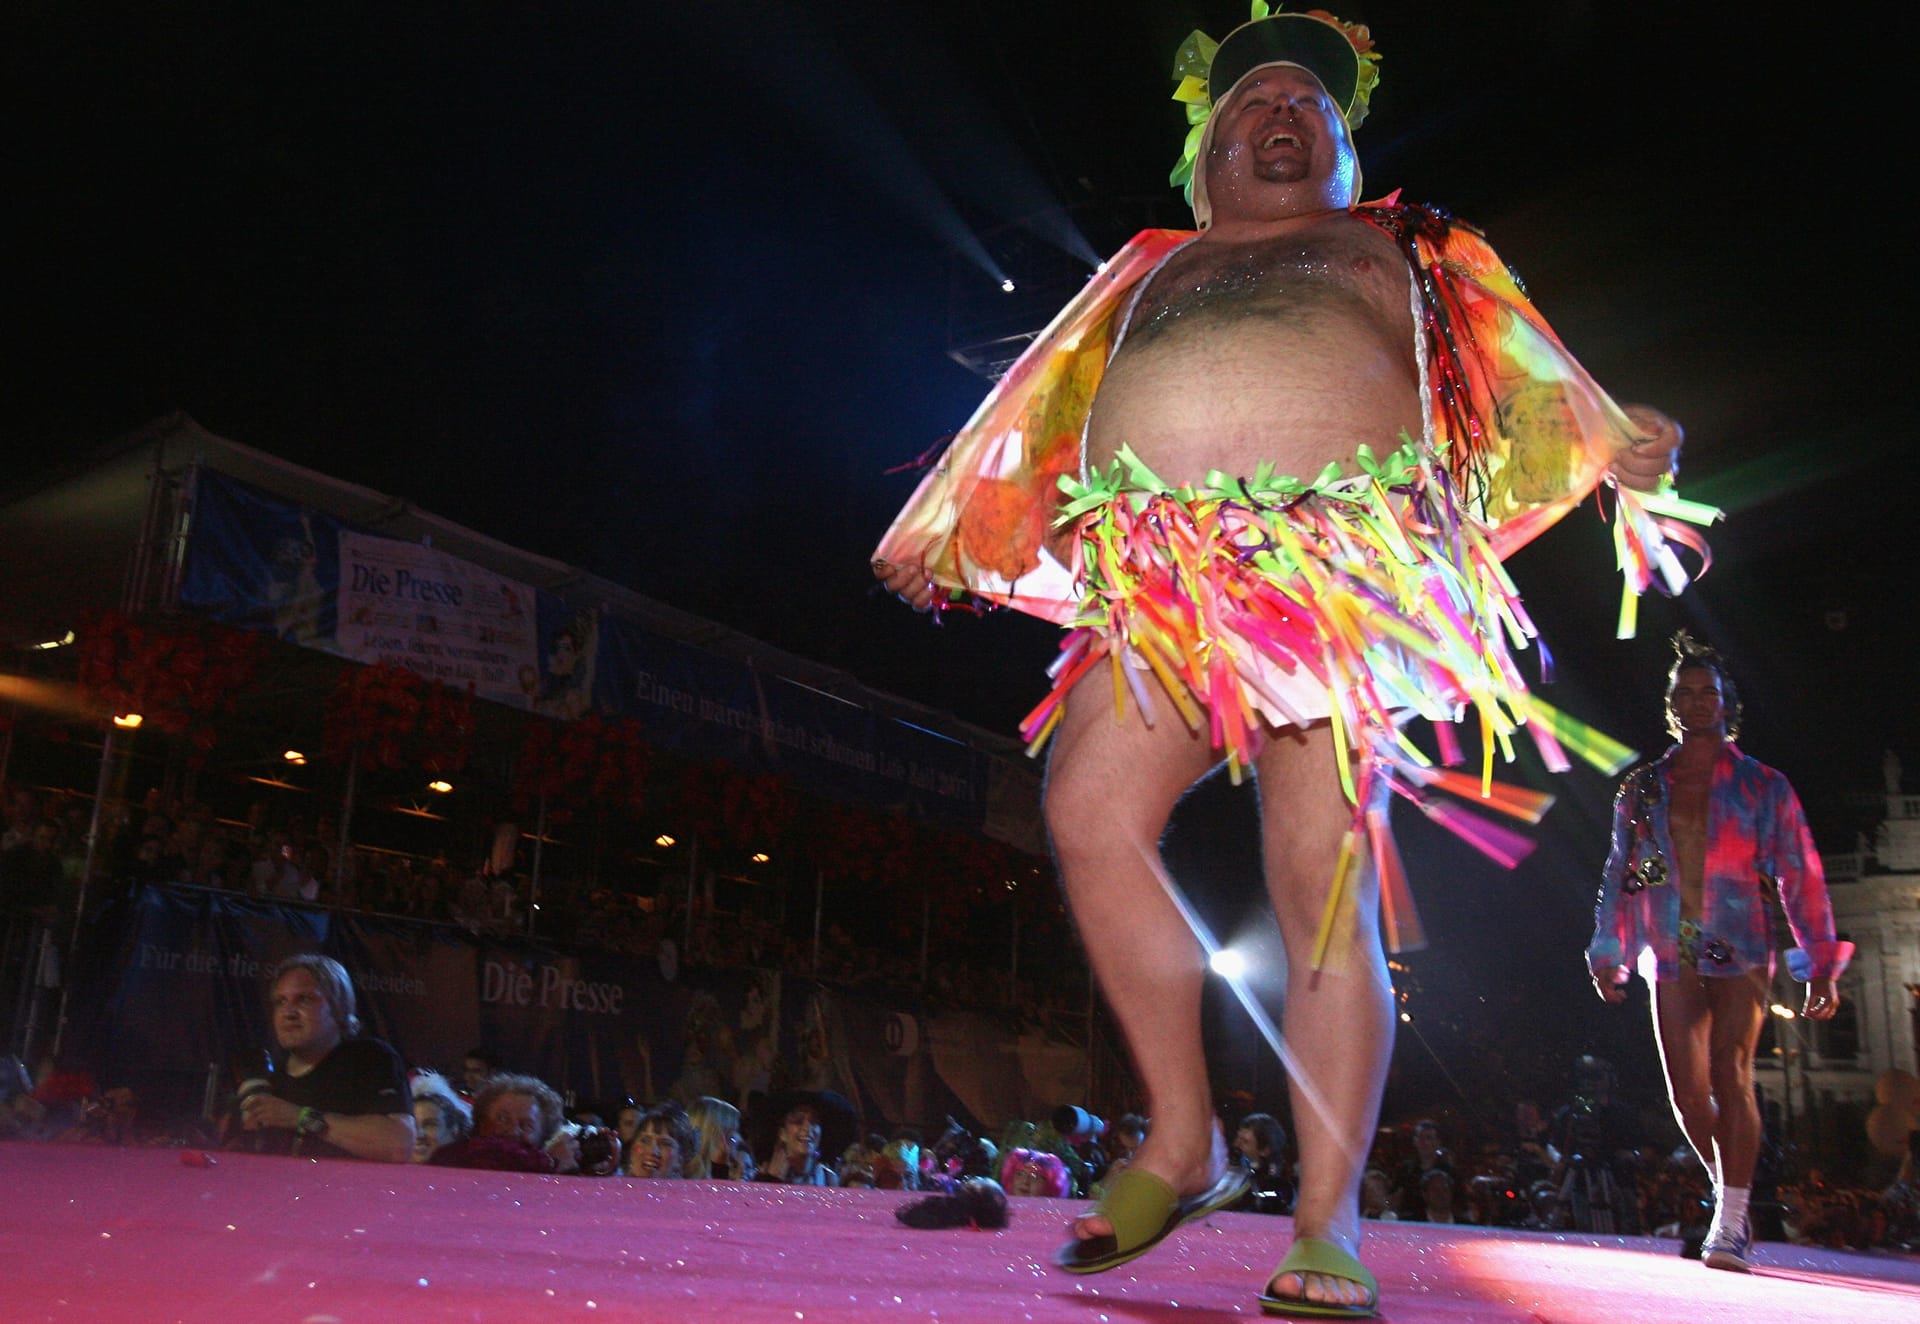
(1291, 352)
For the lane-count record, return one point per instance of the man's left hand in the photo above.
(268, 1112)
(1823, 999)
(1655, 456)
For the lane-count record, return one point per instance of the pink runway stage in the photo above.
(138, 1235)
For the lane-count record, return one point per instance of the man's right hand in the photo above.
(909, 581)
(1611, 983)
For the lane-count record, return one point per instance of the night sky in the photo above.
(666, 293)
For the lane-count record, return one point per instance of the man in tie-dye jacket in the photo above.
(1710, 854)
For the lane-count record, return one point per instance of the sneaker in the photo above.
(1728, 1252)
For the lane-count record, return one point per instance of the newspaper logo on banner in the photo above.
(440, 617)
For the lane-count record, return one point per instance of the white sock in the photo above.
(1730, 1214)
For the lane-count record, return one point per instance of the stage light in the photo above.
(759, 857)
(1406, 1018)
(51, 644)
(128, 721)
(294, 756)
(442, 787)
(1007, 285)
(1781, 1010)
(1227, 963)
(663, 841)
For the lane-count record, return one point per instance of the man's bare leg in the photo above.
(1111, 787)
(1339, 1023)
(1682, 1028)
(1738, 1008)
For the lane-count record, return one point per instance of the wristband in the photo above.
(311, 1122)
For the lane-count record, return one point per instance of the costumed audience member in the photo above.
(897, 1166)
(1035, 1172)
(856, 1164)
(795, 1160)
(440, 1116)
(1169, 472)
(337, 1093)
(1711, 862)
(517, 1127)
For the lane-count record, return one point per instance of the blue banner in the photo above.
(174, 980)
(703, 704)
(257, 562)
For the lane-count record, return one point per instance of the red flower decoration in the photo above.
(397, 719)
(179, 676)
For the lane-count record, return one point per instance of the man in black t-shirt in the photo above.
(336, 1095)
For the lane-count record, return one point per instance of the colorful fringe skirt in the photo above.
(1367, 599)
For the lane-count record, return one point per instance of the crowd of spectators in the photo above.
(1580, 1168)
(161, 840)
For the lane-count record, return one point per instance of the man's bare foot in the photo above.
(1312, 1283)
(1187, 1173)
(1320, 1288)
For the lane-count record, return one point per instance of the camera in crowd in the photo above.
(1076, 1125)
(959, 1153)
(599, 1148)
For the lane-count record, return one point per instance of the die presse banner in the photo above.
(258, 562)
(174, 982)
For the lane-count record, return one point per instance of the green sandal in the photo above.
(1314, 1255)
(1144, 1212)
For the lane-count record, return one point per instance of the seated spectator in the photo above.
(897, 1166)
(1035, 1172)
(1543, 1208)
(857, 1160)
(480, 1066)
(795, 1160)
(663, 1144)
(31, 879)
(1378, 1199)
(337, 1094)
(626, 1121)
(1428, 1153)
(1259, 1145)
(1436, 1196)
(720, 1153)
(516, 1128)
(1124, 1139)
(440, 1117)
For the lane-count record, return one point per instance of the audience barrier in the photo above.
(172, 982)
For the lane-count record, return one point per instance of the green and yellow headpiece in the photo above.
(1339, 54)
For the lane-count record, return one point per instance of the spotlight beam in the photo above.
(1296, 1070)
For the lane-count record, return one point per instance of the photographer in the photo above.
(1079, 1134)
(1596, 1139)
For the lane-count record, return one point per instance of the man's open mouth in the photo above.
(1280, 139)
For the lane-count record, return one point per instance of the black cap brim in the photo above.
(1314, 44)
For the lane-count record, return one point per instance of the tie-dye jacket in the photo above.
(1755, 832)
